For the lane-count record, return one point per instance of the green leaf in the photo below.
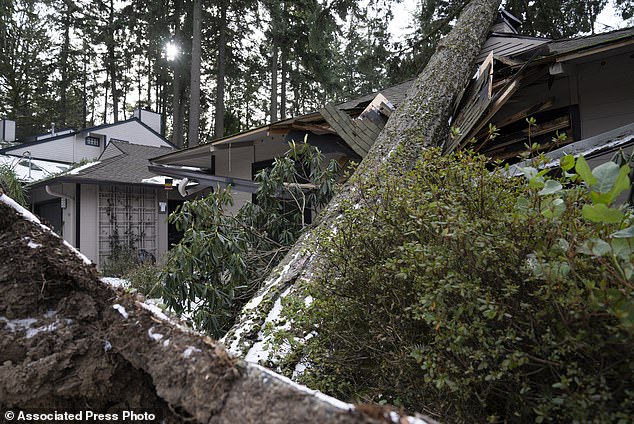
(536, 182)
(606, 175)
(622, 248)
(567, 162)
(624, 233)
(529, 172)
(596, 247)
(621, 184)
(555, 208)
(584, 171)
(550, 187)
(601, 213)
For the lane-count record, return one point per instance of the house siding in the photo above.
(89, 240)
(74, 149)
(606, 94)
(61, 150)
(270, 148)
(134, 132)
(235, 161)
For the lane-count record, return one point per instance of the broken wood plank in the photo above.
(341, 123)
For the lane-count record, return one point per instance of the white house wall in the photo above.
(161, 225)
(270, 148)
(606, 94)
(61, 150)
(89, 222)
(235, 161)
(134, 132)
(74, 149)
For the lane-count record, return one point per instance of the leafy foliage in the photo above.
(499, 300)
(223, 257)
(11, 185)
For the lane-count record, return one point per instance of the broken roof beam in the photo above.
(522, 78)
(347, 130)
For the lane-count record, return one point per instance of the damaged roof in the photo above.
(571, 45)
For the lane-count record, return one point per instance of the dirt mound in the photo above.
(69, 342)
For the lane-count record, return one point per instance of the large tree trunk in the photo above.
(194, 100)
(419, 122)
(70, 343)
(178, 107)
(220, 74)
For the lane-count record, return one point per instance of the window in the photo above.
(93, 141)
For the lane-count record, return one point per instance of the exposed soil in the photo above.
(66, 345)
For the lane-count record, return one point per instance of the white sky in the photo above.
(400, 26)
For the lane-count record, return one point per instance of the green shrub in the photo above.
(222, 258)
(145, 278)
(11, 185)
(119, 263)
(471, 296)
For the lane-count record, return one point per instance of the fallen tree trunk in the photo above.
(72, 344)
(420, 121)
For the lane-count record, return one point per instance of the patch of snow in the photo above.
(188, 352)
(32, 244)
(116, 282)
(156, 311)
(300, 367)
(416, 420)
(39, 169)
(154, 336)
(77, 170)
(259, 351)
(308, 300)
(50, 313)
(160, 180)
(253, 303)
(319, 395)
(166, 342)
(107, 346)
(78, 253)
(234, 347)
(121, 310)
(32, 332)
(14, 325)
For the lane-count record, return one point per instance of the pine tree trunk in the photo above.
(177, 104)
(194, 101)
(274, 65)
(418, 123)
(112, 64)
(220, 74)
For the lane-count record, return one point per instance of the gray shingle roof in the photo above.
(129, 167)
(569, 45)
(395, 94)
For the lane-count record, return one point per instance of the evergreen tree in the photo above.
(26, 67)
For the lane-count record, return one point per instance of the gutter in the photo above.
(50, 192)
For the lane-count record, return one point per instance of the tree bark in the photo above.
(177, 86)
(274, 65)
(112, 63)
(421, 121)
(219, 131)
(194, 100)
